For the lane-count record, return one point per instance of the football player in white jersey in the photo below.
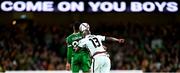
(100, 59)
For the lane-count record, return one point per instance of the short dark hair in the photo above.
(76, 25)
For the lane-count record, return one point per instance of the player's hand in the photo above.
(68, 66)
(121, 40)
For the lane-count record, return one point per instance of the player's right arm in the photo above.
(69, 53)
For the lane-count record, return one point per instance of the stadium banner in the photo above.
(89, 6)
(64, 71)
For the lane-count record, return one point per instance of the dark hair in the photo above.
(76, 25)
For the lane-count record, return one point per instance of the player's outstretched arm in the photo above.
(115, 39)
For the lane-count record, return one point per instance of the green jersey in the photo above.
(79, 59)
(72, 43)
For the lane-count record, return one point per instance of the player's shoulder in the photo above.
(74, 35)
(91, 36)
(100, 36)
(71, 35)
(97, 35)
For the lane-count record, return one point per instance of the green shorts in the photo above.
(81, 61)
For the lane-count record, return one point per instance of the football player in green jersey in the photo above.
(77, 58)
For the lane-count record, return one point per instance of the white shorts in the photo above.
(101, 64)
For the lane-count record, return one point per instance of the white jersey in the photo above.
(101, 63)
(93, 43)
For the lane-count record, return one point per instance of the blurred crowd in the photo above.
(149, 48)
(32, 47)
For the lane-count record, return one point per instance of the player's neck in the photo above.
(75, 32)
(87, 35)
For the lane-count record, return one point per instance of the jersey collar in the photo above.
(88, 35)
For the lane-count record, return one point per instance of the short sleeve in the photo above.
(102, 38)
(68, 42)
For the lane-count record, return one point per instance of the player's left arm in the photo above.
(104, 38)
(115, 39)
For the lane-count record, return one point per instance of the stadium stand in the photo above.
(150, 48)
